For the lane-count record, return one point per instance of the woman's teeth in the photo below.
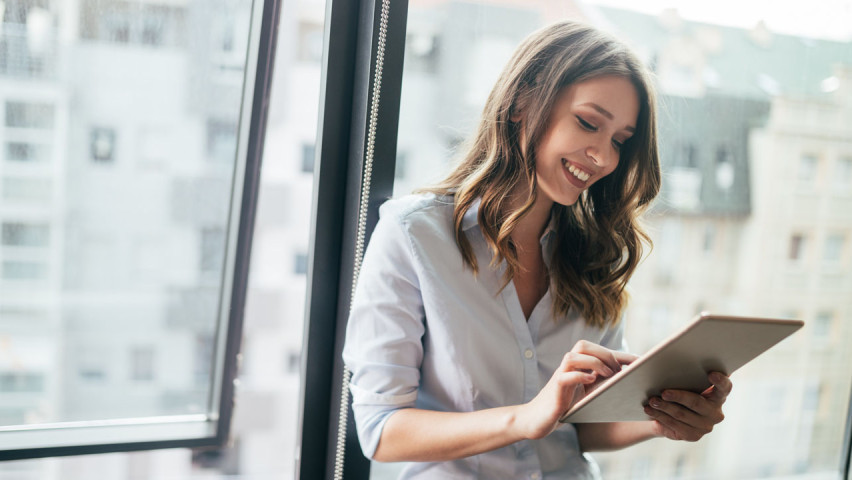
(583, 176)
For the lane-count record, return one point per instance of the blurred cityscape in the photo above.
(117, 154)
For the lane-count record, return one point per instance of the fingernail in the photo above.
(654, 402)
(666, 395)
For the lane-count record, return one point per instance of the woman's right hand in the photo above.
(581, 370)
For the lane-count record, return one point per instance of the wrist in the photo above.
(517, 425)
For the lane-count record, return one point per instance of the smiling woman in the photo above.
(716, 106)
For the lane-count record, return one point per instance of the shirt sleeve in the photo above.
(383, 347)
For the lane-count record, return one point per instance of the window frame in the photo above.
(213, 428)
(351, 49)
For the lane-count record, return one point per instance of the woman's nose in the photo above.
(598, 156)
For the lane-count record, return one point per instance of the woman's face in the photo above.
(588, 124)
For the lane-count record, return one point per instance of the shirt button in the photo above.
(528, 353)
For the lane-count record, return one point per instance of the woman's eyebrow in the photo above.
(605, 113)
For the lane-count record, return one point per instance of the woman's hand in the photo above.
(682, 415)
(581, 370)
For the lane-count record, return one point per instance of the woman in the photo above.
(489, 305)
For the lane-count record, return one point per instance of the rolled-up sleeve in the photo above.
(383, 347)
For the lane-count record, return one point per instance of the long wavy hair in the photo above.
(599, 238)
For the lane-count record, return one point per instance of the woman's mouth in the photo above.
(574, 172)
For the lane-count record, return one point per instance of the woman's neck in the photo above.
(531, 226)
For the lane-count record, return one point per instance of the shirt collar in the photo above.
(471, 216)
(470, 219)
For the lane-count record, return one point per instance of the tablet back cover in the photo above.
(710, 343)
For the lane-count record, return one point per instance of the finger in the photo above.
(721, 388)
(604, 354)
(696, 414)
(580, 361)
(624, 358)
(692, 401)
(674, 428)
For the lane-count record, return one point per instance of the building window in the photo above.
(833, 252)
(142, 364)
(29, 115)
(221, 140)
(212, 250)
(12, 382)
(822, 326)
(724, 168)
(25, 235)
(308, 156)
(300, 264)
(797, 247)
(843, 175)
(688, 155)
(102, 144)
(293, 362)
(23, 189)
(23, 270)
(25, 152)
(807, 171)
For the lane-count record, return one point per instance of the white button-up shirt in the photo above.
(425, 332)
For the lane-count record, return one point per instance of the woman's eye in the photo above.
(618, 145)
(588, 126)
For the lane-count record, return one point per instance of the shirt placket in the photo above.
(528, 461)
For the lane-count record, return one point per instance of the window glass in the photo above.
(741, 213)
(120, 134)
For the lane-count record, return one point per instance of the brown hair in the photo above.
(599, 238)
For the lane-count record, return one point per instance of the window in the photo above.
(822, 327)
(102, 144)
(21, 382)
(843, 175)
(212, 250)
(807, 171)
(724, 168)
(300, 264)
(98, 358)
(30, 190)
(22, 270)
(192, 182)
(25, 235)
(26, 152)
(221, 140)
(29, 115)
(833, 252)
(797, 247)
(308, 154)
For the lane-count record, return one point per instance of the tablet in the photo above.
(683, 361)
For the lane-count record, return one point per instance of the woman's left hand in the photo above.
(683, 415)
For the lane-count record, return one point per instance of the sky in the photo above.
(829, 19)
